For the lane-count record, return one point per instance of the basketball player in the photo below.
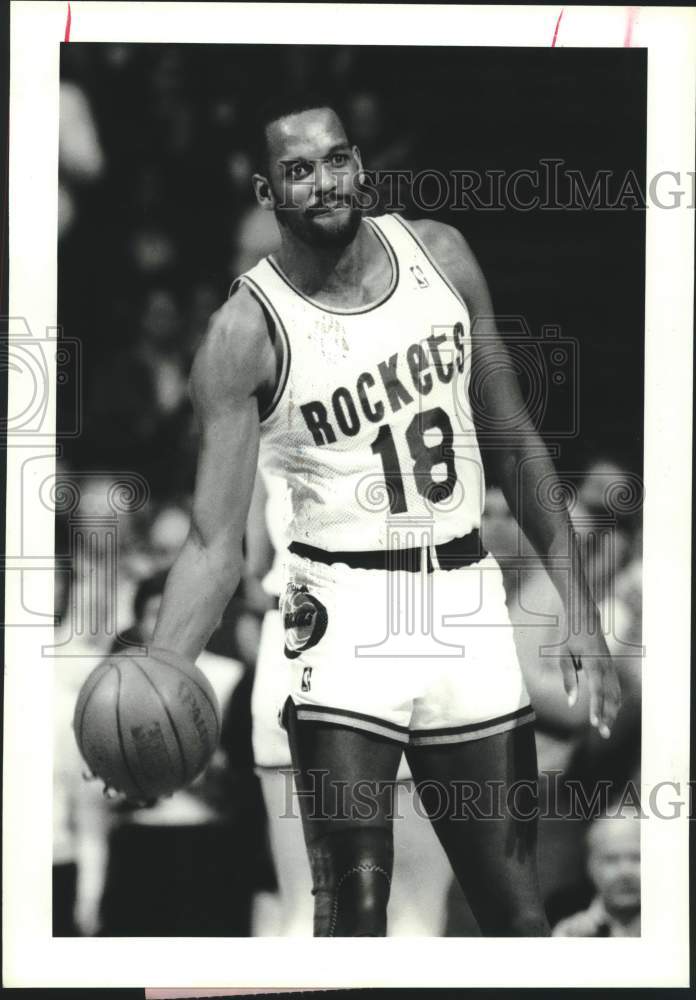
(364, 360)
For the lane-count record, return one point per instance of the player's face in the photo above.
(313, 175)
(614, 863)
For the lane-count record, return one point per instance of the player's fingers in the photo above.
(596, 695)
(570, 679)
(612, 700)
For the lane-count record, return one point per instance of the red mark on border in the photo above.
(630, 22)
(555, 34)
(67, 25)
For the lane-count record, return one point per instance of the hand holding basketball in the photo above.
(147, 725)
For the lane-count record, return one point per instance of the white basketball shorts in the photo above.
(272, 681)
(421, 658)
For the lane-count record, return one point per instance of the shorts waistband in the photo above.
(459, 552)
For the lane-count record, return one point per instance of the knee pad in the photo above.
(351, 874)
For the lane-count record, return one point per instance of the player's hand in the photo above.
(589, 656)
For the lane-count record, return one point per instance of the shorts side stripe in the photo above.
(477, 731)
(525, 710)
(354, 720)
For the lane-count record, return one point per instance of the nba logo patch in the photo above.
(419, 276)
(306, 678)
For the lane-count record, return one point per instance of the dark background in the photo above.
(175, 125)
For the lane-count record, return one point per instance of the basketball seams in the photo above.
(184, 762)
(88, 697)
(120, 734)
(205, 694)
(119, 758)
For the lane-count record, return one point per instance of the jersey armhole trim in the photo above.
(278, 337)
(428, 254)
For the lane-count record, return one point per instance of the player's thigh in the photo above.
(344, 777)
(482, 798)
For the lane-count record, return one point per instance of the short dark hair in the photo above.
(151, 586)
(282, 106)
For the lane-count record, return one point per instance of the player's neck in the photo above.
(327, 270)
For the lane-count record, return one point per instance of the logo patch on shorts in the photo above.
(305, 619)
(417, 273)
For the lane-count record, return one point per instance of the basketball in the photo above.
(147, 725)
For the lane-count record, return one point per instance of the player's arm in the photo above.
(232, 367)
(259, 550)
(523, 467)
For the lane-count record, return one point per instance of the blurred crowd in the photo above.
(141, 269)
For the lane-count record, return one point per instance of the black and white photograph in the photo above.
(342, 513)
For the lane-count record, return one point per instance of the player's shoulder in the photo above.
(237, 323)
(438, 235)
(233, 352)
(449, 248)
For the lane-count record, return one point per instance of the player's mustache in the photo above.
(328, 203)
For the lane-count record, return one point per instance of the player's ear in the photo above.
(358, 160)
(263, 192)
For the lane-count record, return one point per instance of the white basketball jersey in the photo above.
(277, 514)
(370, 424)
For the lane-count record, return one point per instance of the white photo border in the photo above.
(661, 956)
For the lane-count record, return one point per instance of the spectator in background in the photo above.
(80, 156)
(613, 865)
(159, 352)
(610, 498)
(139, 401)
(606, 484)
(167, 534)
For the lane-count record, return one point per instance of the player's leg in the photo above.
(481, 796)
(345, 783)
